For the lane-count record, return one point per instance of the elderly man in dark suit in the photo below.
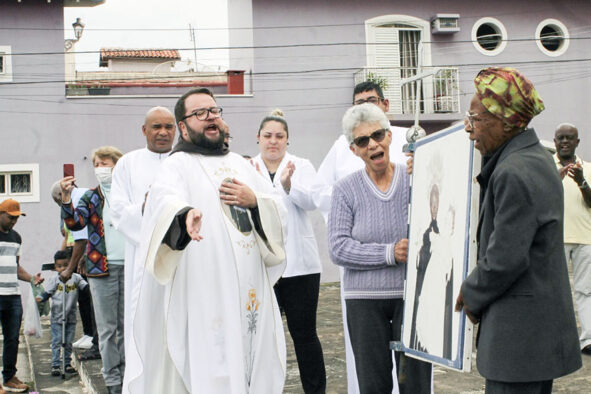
(519, 290)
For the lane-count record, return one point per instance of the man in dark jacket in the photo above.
(519, 290)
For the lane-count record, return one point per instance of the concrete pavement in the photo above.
(35, 355)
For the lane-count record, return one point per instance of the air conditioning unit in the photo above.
(445, 23)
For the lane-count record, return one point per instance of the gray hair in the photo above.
(56, 192)
(363, 113)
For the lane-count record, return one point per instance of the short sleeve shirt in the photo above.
(10, 250)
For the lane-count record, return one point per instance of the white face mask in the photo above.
(103, 175)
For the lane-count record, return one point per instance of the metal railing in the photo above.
(440, 92)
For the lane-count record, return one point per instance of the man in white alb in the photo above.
(212, 245)
(132, 176)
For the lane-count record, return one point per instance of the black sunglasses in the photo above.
(377, 136)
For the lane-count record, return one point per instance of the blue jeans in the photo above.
(56, 342)
(107, 298)
(11, 313)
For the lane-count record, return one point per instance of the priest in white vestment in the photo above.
(132, 176)
(212, 245)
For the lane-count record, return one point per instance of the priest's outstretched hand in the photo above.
(194, 224)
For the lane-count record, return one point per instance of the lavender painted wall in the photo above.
(40, 125)
(315, 101)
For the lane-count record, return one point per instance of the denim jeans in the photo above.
(56, 342)
(107, 298)
(11, 313)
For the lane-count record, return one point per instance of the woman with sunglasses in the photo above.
(297, 290)
(367, 237)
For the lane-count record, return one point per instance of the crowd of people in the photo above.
(192, 252)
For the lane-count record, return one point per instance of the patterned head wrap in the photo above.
(509, 95)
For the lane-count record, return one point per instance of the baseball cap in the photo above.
(11, 207)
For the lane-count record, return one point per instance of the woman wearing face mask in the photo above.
(297, 290)
(104, 258)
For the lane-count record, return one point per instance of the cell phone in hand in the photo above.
(68, 170)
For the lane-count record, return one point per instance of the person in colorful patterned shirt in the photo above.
(105, 253)
(11, 310)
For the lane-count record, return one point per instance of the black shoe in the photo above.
(69, 369)
(55, 371)
(114, 389)
(586, 350)
(91, 354)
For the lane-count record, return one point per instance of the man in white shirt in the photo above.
(132, 177)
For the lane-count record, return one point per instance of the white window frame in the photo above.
(370, 38)
(497, 23)
(6, 53)
(560, 26)
(30, 168)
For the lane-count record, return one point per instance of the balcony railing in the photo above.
(439, 92)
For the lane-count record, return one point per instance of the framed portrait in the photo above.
(443, 218)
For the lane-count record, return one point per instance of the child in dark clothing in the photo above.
(54, 288)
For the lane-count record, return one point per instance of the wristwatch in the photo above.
(583, 184)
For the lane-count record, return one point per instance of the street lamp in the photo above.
(78, 29)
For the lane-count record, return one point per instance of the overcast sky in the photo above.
(151, 15)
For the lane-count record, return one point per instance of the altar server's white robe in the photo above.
(207, 320)
(132, 177)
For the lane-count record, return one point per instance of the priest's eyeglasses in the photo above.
(203, 113)
(377, 136)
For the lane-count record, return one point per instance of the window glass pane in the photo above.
(20, 183)
(552, 38)
(488, 37)
(2, 184)
(1, 64)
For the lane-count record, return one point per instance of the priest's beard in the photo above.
(199, 139)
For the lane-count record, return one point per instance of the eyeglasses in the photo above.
(203, 113)
(377, 136)
(371, 100)
(468, 117)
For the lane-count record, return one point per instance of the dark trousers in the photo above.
(87, 313)
(297, 296)
(373, 324)
(11, 313)
(495, 387)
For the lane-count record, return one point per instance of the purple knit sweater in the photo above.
(363, 226)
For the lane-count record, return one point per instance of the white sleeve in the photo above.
(125, 214)
(324, 180)
(302, 185)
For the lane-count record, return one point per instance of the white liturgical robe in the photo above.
(207, 320)
(132, 177)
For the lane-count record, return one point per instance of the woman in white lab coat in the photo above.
(297, 290)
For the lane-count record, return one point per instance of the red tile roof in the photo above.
(119, 53)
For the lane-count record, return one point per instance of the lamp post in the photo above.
(70, 62)
(78, 29)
